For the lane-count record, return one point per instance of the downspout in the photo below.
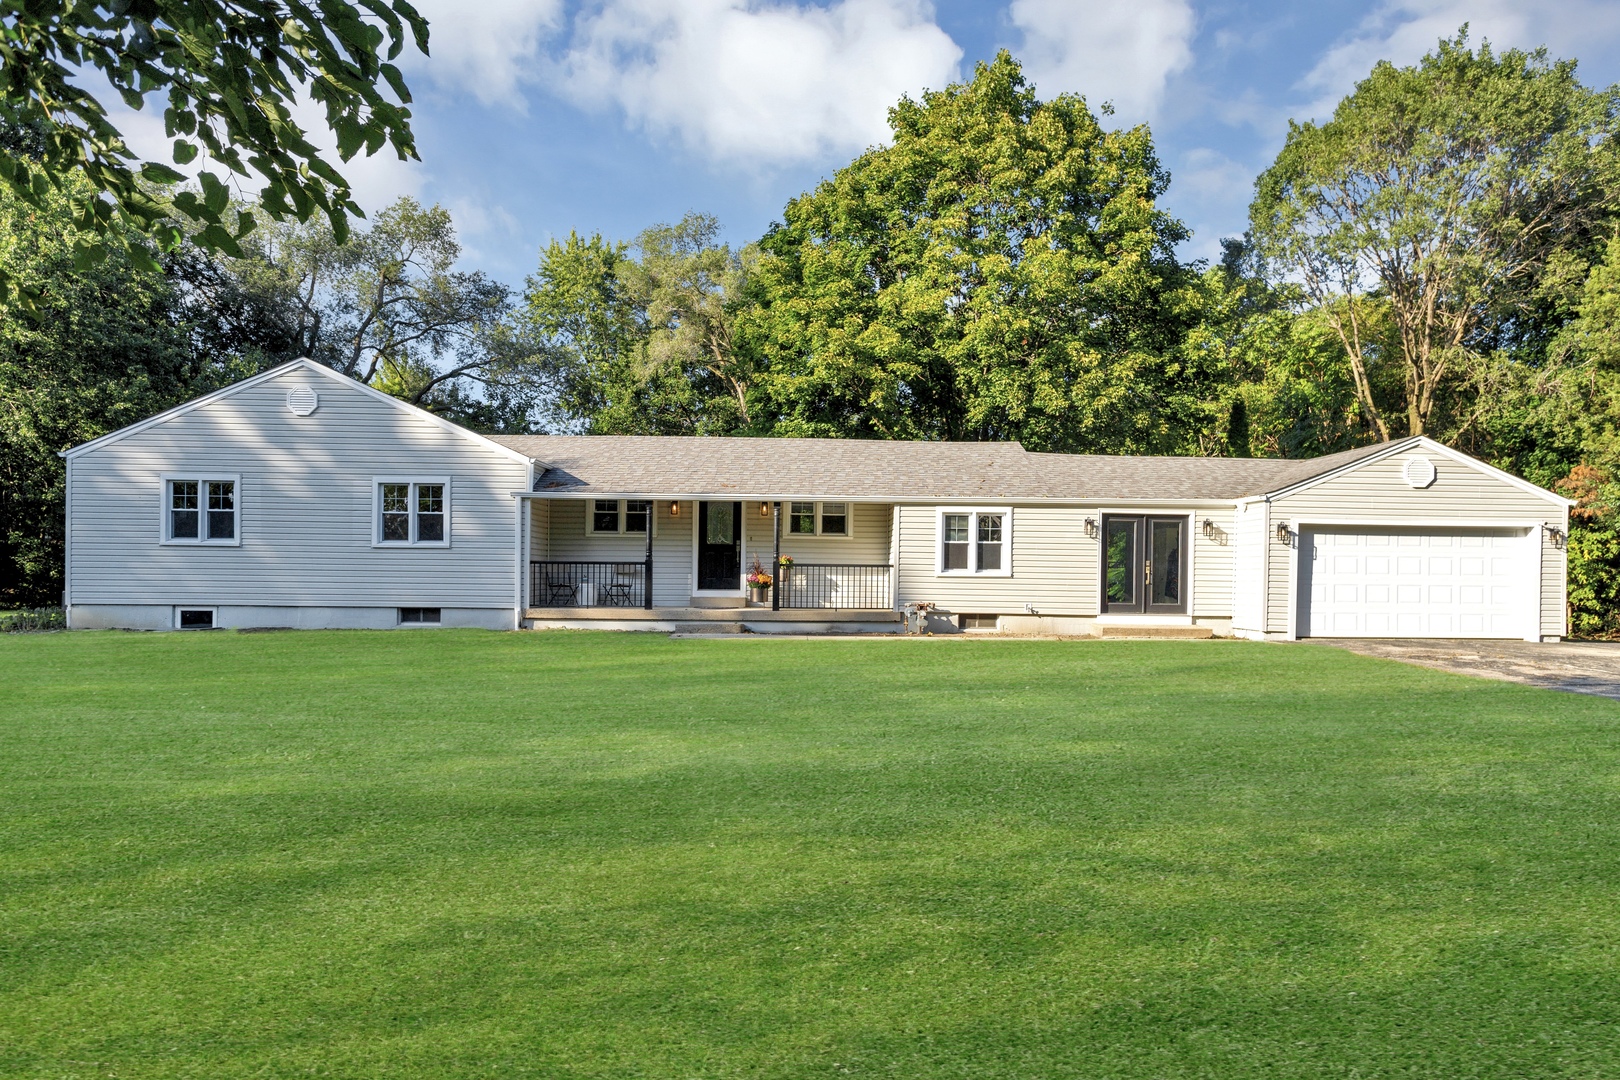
(67, 547)
(1265, 572)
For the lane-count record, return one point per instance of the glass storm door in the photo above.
(719, 546)
(1144, 565)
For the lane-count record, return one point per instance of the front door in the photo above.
(1144, 565)
(719, 546)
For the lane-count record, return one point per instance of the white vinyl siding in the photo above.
(306, 501)
(867, 542)
(1461, 495)
(1213, 562)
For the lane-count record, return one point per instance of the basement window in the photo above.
(194, 618)
(419, 616)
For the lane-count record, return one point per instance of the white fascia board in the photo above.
(1425, 443)
(1322, 477)
(888, 500)
(1491, 470)
(264, 376)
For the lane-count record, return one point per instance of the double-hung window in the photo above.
(818, 519)
(412, 512)
(620, 516)
(201, 510)
(975, 542)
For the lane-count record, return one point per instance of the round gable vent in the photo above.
(1419, 472)
(302, 400)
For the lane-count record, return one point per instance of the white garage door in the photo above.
(1415, 583)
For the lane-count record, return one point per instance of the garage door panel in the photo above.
(1415, 583)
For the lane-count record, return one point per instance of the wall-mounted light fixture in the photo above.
(1558, 536)
(675, 509)
(764, 509)
(1284, 533)
(1091, 527)
(1209, 528)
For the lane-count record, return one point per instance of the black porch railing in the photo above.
(589, 584)
(837, 585)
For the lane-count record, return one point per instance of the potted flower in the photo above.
(759, 582)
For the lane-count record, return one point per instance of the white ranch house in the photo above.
(300, 498)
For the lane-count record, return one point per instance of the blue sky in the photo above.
(535, 117)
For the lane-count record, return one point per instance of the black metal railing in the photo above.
(837, 585)
(588, 584)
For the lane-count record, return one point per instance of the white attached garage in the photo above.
(1360, 581)
(1412, 540)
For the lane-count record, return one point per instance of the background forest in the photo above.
(1441, 257)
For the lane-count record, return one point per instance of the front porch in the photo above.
(659, 560)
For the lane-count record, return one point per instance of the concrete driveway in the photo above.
(1583, 667)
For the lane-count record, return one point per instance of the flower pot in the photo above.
(759, 593)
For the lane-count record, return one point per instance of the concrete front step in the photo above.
(1188, 633)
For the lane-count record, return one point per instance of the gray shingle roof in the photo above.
(869, 469)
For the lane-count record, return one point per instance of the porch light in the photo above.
(1284, 533)
(1091, 527)
(1556, 535)
(675, 509)
(764, 509)
(1209, 528)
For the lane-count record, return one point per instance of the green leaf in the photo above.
(184, 152)
(216, 196)
(158, 173)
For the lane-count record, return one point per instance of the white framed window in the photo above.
(613, 516)
(410, 511)
(201, 509)
(818, 519)
(975, 541)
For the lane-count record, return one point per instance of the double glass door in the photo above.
(1144, 565)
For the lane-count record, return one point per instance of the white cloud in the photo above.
(1401, 31)
(375, 181)
(755, 82)
(1106, 50)
(489, 48)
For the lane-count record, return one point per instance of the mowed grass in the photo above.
(464, 854)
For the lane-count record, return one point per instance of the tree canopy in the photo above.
(1000, 270)
(231, 73)
(1440, 193)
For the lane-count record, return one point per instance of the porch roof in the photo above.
(662, 466)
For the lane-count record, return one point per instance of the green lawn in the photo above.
(462, 854)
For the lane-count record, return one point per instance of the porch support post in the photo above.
(776, 558)
(646, 570)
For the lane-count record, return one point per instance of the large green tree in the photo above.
(114, 344)
(230, 73)
(646, 339)
(1440, 192)
(1001, 270)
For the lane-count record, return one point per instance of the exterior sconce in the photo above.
(1558, 536)
(764, 509)
(1209, 528)
(675, 509)
(1091, 527)
(1284, 533)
